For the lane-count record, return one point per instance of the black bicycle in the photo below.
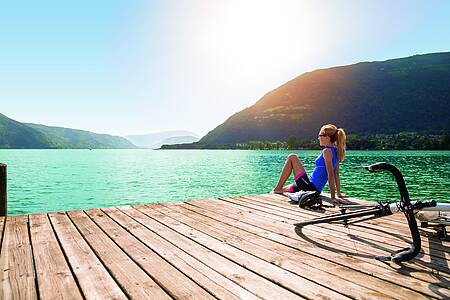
(367, 212)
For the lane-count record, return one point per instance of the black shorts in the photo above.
(302, 183)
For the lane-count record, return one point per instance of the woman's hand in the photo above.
(341, 200)
(342, 196)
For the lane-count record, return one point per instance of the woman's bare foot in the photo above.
(275, 191)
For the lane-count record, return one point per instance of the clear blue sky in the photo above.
(141, 66)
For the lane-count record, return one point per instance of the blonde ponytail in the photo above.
(341, 144)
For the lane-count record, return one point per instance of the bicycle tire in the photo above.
(342, 217)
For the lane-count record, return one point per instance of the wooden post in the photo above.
(3, 191)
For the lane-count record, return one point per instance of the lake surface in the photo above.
(57, 180)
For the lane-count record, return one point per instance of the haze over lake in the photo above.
(58, 180)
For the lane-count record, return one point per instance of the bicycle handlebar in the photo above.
(424, 204)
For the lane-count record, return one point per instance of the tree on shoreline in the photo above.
(398, 141)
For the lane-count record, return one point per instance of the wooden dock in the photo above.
(231, 248)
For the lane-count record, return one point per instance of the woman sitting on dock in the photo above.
(327, 166)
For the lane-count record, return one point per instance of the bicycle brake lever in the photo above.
(378, 167)
(361, 167)
(374, 170)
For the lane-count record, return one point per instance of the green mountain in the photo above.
(80, 139)
(407, 94)
(18, 135)
(14, 134)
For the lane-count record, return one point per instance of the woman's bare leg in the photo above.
(292, 163)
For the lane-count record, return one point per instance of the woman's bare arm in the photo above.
(337, 179)
(328, 157)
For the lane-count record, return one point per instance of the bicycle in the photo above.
(382, 209)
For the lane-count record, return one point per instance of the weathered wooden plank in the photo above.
(420, 267)
(215, 283)
(417, 267)
(55, 280)
(93, 278)
(293, 213)
(288, 280)
(133, 280)
(16, 261)
(160, 270)
(325, 231)
(433, 258)
(371, 231)
(352, 283)
(254, 283)
(396, 221)
(376, 246)
(279, 231)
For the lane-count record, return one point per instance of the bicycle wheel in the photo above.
(343, 216)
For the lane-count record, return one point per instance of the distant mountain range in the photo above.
(18, 135)
(406, 94)
(179, 140)
(155, 140)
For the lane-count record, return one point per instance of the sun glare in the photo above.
(258, 36)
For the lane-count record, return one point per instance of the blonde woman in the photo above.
(333, 141)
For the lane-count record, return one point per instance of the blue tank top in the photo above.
(319, 176)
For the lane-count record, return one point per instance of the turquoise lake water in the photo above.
(56, 180)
